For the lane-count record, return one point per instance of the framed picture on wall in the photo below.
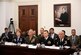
(62, 15)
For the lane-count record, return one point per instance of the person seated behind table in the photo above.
(6, 36)
(62, 41)
(34, 33)
(18, 38)
(65, 34)
(46, 40)
(24, 34)
(52, 34)
(74, 39)
(41, 33)
(31, 39)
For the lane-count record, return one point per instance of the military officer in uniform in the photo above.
(31, 39)
(52, 34)
(62, 41)
(46, 40)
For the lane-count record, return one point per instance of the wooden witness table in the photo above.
(18, 50)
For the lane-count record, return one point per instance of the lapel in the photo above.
(32, 40)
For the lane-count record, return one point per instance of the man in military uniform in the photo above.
(52, 34)
(46, 39)
(62, 41)
(65, 34)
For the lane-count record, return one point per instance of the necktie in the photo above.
(73, 40)
(60, 41)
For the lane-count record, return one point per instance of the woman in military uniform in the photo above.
(31, 39)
